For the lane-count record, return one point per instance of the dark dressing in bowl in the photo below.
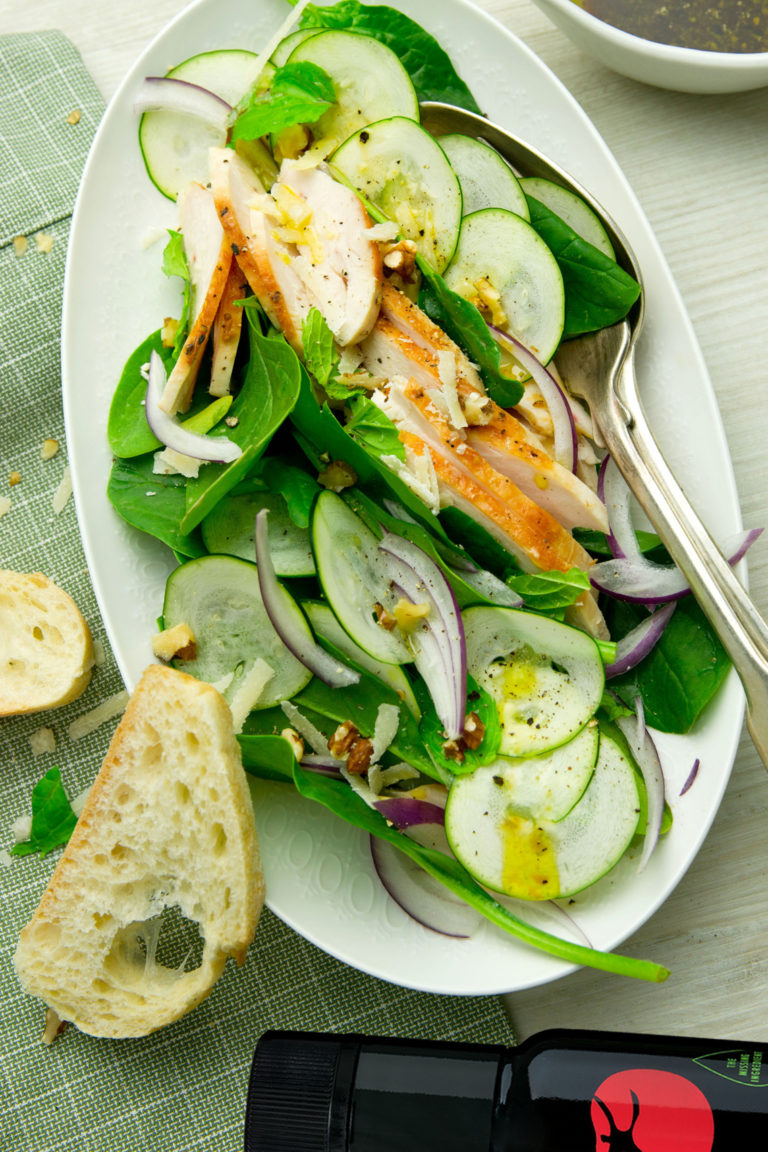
(710, 25)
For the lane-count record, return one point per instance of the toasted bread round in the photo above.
(46, 651)
(168, 825)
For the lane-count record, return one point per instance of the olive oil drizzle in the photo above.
(708, 25)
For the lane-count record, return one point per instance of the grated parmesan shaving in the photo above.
(224, 683)
(169, 462)
(78, 803)
(63, 492)
(99, 655)
(249, 691)
(383, 232)
(5, 505)
(380, 778)
(446, 370)
(21, 829)
(90, 721)
(306, 729)
(384, 730)
(42, 740)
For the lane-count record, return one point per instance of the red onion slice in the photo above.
(615, 493)
(322, 765)
(647, 759)
(438, 644)
(405, 811)
(636, 645)
(564, 425)
(420, 895)
(166, 94)
(691, 776)
(640, 580)
(287, 624)
(212, 449)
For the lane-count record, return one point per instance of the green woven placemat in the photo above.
(183, 1087)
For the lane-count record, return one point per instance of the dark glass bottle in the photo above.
(559, 1091)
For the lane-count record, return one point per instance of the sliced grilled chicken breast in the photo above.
(226, 332)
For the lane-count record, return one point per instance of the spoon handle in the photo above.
(741, 629)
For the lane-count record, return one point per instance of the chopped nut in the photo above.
(452, 750)
(20, 245)
(384, 619)
(295, 741)
(14, 478)
(44, 241)
(342, 739)
(400, 257)
(337, 476)
(487, 300)
(53, 1026)
(409, 615)
(474, 731)
(168, 331)
(177, 641)
(74, 116)
(49, 449)
(360, 756)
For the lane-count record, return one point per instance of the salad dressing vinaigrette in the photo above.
(709, 25)
(528, 857)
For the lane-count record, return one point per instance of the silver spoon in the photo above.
(600, 368)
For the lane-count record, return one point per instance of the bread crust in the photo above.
(46, 649)
(168, 823)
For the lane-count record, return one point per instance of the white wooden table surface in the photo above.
(699, 165)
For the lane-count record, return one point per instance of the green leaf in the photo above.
(267, 756)
(373, 428)
(550, 591)
(433, 734)
(296, 486)
(484, 548)
(175, 264)
(269, 392)
(53, 820)
(464, 324)
(682, 672)
(127, 430)
(299, 93)
(429, 66)
(597, 291)
(153, 503)
(597, 544)
(320, 355)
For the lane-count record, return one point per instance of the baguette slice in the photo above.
(46, 651)
(168, 822)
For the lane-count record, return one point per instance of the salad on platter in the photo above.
(397, 536)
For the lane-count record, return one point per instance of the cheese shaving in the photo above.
(384, 730)
(90, 721)
(169, 462)
(249, 691)
(42, 740)
(5, 505)
(446, 370)
(306, 729)
(63, 492)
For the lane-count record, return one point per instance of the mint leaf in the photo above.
(550, 591)
(320, 354)
(298, 94)
(296, 487)
(53, 820)
(175, 264)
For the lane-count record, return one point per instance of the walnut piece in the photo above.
(360, 756)
(342, 739)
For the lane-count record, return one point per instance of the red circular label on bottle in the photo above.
(646, 1110)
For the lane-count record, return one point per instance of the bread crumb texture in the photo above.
(167, 832)
(46, 651)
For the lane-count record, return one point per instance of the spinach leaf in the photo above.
(484, 548)
(323, 439)
(53, 820)
(296, 486)
(269, 392)
(152, 503)
(433, 734)
(550, 592)
(681, 674)
(429, 66)
(597, 291)
(320, 355)
(597, 543)
(373, 428)
(299, 93)
(127, 430)
(464, 324)
(267, 756)
(341, 799)
(175, 264)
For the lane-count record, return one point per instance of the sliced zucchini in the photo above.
(229, 529)
(219, 598)
(175, 145)
(547, 678)
(548, 786)
(404, 171)
(502, 263)
(536, 859)
(487, 181)
(352, 575)
(286, 46)
(368, 78)
(325, 625)
(570, 208)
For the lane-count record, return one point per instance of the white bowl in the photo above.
(682, 69)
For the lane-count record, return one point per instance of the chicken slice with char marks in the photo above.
(226, 332)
